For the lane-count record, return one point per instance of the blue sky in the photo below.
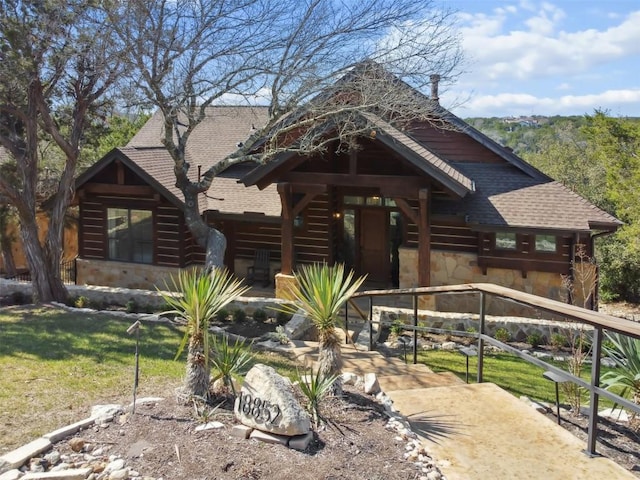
(563, 57)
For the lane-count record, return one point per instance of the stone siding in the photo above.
(453, 268)
(122, 274)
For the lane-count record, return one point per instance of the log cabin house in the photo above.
(425, 206)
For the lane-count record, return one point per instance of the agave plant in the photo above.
(315, 387)
(625, 352)
(229, 360)
(320, 291)
(201, 294)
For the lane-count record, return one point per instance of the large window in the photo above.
(130, 234)
(546, 243)
(506, 241)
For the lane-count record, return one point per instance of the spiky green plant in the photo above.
(229, 360)
(625, 352)
(320, 291)
(200, 295)
(315, 387)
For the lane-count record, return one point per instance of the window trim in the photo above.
(502, 248)
(540, 250)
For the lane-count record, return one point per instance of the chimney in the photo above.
(435, 78)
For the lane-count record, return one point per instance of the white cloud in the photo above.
(538, 50)
(506, 104)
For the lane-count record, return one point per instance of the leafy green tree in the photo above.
(200, 295)
(320, 291)
(57, 64)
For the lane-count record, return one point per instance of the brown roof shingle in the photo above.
(507, 197)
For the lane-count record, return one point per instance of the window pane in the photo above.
(545, 243)
(130, 235)
(506, 240)
(375, 201)
(352, 200)
(118, 233)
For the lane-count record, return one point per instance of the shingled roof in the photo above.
(213, 140)
(507, 197)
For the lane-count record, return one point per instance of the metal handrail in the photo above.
(599, 322)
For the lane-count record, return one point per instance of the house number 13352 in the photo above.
(258, 409)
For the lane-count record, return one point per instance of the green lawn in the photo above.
(506, 370)
(56, 364)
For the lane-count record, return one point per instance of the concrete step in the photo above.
(390, 383)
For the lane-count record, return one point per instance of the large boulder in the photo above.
(300, 327)
(267, 403)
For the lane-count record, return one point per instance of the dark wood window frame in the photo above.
(133, 242)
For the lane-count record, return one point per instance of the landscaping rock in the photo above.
(371, 385)
(267, 403)
(77, 444)
(19, 456)
(299, 326)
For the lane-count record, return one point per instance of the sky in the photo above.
(562, 57)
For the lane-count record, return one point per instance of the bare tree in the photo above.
(56, 63)
(320, 65)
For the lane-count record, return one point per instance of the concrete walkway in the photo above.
(477, 431)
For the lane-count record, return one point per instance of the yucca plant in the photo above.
(625, 352)
(229, 360)
(320, 291)
(201, 294)
(315, 386)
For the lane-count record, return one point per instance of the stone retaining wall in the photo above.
(453, 268)
(519, 328)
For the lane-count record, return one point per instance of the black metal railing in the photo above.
(597, 320)
(67, 273)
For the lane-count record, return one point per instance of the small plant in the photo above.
(279, 336)
(222, 315)
(502, 335)
(534, 339)
(81, 302)
(558, 341)
(396, 328)
(202, 410)
(131, 306)
(471, 330)
(260, 315)
(239, 315)
(315, 387)
(228, 360)
(448, 336)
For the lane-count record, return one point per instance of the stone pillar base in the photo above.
(283, 284)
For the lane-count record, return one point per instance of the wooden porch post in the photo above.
(286, 252)
(424, 239)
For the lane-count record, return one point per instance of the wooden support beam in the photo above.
(395, 183)
(286, 249)
(407, 210)
(113, 189)
(424, 239)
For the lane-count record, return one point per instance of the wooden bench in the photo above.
(260, 270)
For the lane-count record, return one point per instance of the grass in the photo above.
(55, 365)
(507, 371)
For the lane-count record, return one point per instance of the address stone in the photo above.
(267, 403)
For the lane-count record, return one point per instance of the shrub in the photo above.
(260, 315)
(239, 315)
(131, 306)
(502, 335)
(81, 302)
(315, 386)
(19, 298)
(222, 315)
(558, 341)
(534, 339)
(396, 328)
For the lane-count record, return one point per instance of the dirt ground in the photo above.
(160, 441)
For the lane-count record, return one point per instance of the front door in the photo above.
(374, 245)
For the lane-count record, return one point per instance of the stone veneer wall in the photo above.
(453, 268)
(138, 275)
(122, 274)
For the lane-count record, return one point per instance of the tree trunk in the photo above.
(330, 358)
(7, 255)
(197, 378)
